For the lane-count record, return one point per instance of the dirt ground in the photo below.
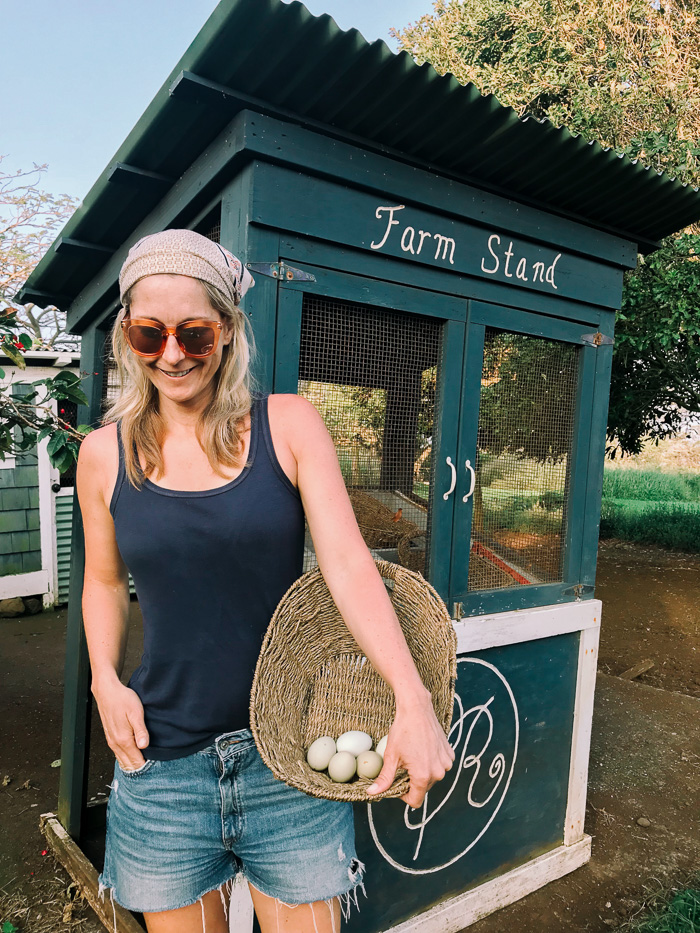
(645, 758)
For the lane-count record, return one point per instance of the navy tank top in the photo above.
(209, 568)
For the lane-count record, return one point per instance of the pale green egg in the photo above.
(320, 753)
(369, 764)
(341, 767)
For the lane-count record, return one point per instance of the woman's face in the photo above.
(172, 300)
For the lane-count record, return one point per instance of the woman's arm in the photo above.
(106, 601)
(416, 740)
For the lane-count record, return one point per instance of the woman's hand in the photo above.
(418, 744)
(121, 712)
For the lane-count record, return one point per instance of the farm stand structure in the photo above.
(440, 278)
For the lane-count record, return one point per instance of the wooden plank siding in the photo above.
(287, 201)
(20, 541)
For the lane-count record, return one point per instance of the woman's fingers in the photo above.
(420, 784)
(386, 776)
(138, 724)
(125, 729)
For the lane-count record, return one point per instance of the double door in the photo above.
(463, 431)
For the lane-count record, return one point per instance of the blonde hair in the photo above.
(136, 407)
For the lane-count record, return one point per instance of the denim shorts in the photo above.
(179, 829)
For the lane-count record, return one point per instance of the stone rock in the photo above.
(33, 604)
(643, 821)
(11, 608)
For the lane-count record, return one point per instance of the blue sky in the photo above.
(79, 73)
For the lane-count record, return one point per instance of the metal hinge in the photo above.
(579, 590)
(457, 611)
(281, 271)
(597, 340)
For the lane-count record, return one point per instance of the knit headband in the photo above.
(184, 252)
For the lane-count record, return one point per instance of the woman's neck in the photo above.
(178, 417)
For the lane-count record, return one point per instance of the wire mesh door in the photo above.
(521, 489)
(372, 374)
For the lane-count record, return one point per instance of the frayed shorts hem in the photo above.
(105, 886)
(356, 881)
(345, 897)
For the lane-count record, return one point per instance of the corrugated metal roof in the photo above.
(307, 66)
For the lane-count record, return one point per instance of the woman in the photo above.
(201, 492)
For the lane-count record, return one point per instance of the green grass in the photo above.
(669, 525)
(651, 485)
(679, 913)
(640, 506)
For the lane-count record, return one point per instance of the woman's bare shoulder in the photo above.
(294, 410)
(100, 445)
(297, 429)
(298, 422)
(98, 461)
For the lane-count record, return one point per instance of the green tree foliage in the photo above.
(624, 72)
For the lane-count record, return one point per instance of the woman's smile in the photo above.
(176, 374)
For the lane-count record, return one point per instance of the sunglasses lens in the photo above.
(145, 339)
(197, 340)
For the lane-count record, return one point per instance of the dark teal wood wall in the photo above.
(529, 691)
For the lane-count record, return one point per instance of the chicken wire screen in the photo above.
(372, 374)
(524, 448)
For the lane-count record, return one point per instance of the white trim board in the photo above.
(458, 912)
(581, 735)
(24, 584)
(511, 628)
(47, 519)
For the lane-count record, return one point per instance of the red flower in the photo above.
(44, 851)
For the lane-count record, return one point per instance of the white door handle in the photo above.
(449, 492)
(470, 469)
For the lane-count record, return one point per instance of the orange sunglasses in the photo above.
(197, 339)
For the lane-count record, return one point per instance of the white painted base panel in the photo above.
(453, 915)
(24, 584)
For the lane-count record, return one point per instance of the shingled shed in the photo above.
(440, 278)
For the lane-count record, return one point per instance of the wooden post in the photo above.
(253, 244)
(77, 699)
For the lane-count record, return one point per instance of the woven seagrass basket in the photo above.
(377, 523)
(312, 678)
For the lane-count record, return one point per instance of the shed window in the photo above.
(372, 374)
(524, 444)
